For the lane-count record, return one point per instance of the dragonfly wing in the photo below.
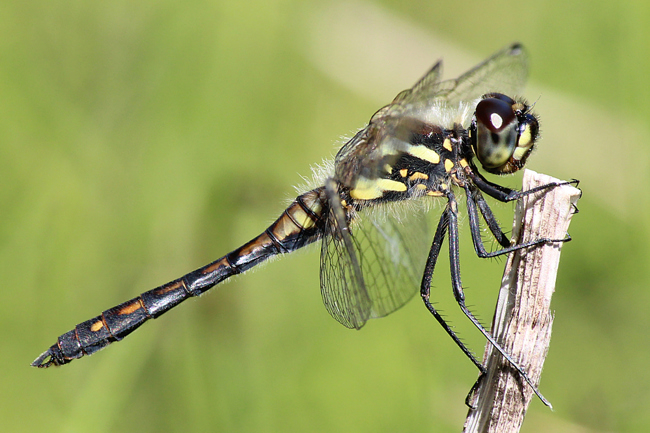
(372, 264)
(429, 81)
(392, 246)
(505, 72)
(341, 280)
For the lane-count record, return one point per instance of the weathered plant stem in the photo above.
(523, 318)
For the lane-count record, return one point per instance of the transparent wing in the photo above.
(341, 279)
(382, 269)
(393, 246)
(505, 71)
(426, 84)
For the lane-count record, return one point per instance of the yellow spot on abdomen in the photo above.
(302, 218)
(312, 202)
(97, 326)
(285, 226)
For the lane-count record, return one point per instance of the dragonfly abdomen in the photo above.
(299, 225)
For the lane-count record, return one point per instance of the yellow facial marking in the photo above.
(367, 189)
(463, 163)
(97, 326)
(403, 172)
(417, 175)
(448, 165)
(524, 138)
(519, 153)
(447, 144)
(388, 168)
(424, 153)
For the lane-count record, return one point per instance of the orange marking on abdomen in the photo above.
(131, 308)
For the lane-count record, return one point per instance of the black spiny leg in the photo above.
(474, 199)
(451, 211)
(504, 194)
(425, 288)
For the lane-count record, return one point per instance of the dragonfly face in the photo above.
(503, 133)
(370, 213)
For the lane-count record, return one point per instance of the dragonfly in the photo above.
(369, 210)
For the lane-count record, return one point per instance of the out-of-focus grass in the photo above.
(140, 141)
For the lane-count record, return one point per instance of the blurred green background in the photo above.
(141, 140)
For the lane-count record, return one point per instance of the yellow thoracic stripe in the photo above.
(448, 165)
(417, 175)
(368, 189)
(424, 153)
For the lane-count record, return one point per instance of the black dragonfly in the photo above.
(369, 211)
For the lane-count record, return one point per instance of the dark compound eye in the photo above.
(504, 133)
(495, 114)
(496, 130)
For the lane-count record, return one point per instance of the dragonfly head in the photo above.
(503, 133)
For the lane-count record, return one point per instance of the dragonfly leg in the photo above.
(504, 194)
(476, 200)
(454, 258)
(425, 288)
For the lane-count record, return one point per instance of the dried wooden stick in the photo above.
(523, 319)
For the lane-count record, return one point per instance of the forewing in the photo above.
(506, 72)
(429, 81)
